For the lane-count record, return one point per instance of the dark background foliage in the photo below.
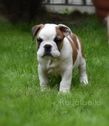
(21, 10)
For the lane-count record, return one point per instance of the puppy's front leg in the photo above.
(42, 78)
(66, 79)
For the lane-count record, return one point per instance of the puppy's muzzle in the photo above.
(47, 49)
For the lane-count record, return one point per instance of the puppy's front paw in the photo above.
(44, 88)
(84, 80)
(64, 90)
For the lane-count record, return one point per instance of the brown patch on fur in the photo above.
(61, 36)
(36, 29)
(74, 38)
(75, 47)
(59, 32)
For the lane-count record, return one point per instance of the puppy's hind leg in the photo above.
(83, 73)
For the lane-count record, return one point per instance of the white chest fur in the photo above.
(53, 66)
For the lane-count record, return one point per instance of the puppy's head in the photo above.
(50, 38)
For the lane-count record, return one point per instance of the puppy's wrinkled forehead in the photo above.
(50, 31)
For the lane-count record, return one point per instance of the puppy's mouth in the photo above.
(47, 54)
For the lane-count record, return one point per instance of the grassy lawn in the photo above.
(22, 103)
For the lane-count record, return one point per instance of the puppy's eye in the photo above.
(57, 40)
(39, 40)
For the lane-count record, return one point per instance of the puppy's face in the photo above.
(49, 39)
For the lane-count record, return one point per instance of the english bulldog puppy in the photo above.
(59, 51)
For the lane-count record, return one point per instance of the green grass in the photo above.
(22, 103)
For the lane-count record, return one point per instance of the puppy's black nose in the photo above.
(47, 48)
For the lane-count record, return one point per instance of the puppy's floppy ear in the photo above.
(65, 29)
(35, 29)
